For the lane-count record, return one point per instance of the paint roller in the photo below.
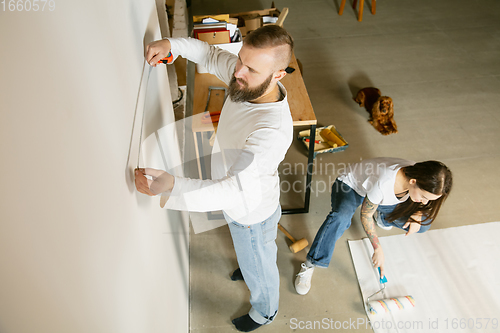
(330, 137)
(388, 305)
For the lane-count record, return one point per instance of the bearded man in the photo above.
(254, 133)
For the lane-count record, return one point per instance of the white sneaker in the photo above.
(379, 222)
(303, 279)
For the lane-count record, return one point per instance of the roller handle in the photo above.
(382, 279)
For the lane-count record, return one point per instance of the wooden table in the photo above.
(300, 108)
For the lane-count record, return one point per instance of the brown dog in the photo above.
(380, 108)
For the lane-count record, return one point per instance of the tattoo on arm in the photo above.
(367, 210)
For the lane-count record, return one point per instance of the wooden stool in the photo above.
(361, 3)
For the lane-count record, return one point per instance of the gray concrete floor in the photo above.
(440, 62)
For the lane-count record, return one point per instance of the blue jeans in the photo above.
(345, 201)
(257, 252)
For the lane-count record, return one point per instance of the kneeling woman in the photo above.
(382, 186)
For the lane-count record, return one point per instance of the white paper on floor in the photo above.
(453, 275)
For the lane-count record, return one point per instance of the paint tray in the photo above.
(322, 146)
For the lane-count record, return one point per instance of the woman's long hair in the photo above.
(431, 176)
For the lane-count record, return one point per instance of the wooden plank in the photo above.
(298, 98)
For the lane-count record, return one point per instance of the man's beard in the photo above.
(243, 93)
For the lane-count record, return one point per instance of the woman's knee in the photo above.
(340, 218)
(345, 204)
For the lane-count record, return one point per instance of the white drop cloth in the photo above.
(453, 274)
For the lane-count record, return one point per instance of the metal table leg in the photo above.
(310, 162)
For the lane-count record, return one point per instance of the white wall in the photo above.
(80, 249)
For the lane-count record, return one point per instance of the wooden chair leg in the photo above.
(360, 15)
(342, 5)
(374, 6)
(354, 4)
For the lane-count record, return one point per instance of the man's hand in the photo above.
(161, 181)
(142, 183)
(414, 227)
(156, 51)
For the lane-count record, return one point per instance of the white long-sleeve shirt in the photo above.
(251, 141)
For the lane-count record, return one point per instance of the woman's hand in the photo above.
(378, 260)
(156, 51)
(414, 227)
(160, 182)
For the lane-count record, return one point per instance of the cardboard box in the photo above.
(252, 22)
(249, 21)
(215, 37)
(245, 21)
(243, 31)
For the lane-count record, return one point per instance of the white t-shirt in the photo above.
(251, 141)
(375, 179)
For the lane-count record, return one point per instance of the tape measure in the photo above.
(168, 59)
